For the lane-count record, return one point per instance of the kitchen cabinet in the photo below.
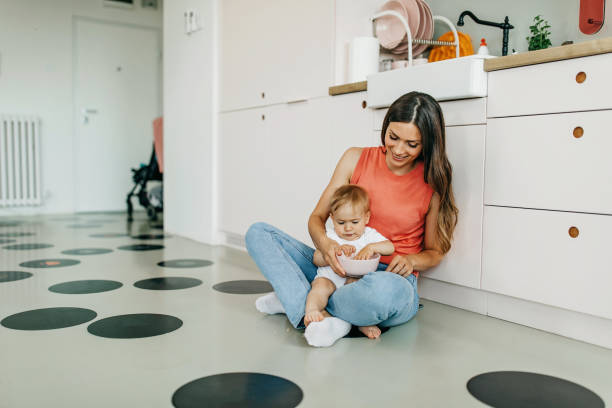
(556, 258)
(243, 147)
(548, 200)
(578, 84)
(275, 51)
(276, 161)
(462, 264)
(555, 162)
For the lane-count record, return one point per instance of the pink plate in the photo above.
(426, 28)
(414, 15)
(390, 30)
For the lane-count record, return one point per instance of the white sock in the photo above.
(269, 304)
(326, 332)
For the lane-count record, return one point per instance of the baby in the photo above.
(350, 212)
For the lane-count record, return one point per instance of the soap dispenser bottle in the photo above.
(483, 49)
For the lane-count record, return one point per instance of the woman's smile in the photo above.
(398, 157)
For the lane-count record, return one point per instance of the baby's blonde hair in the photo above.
(350, 194)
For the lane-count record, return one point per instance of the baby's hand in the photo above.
(365, 253)
(348, 250)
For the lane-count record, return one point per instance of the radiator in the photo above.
(19, 161)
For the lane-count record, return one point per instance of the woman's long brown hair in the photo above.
(425, 113)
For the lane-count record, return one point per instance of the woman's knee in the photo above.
(255, 232)
(392, 292)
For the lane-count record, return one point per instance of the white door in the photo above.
(116, 84)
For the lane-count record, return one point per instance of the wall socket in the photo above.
(193, 21)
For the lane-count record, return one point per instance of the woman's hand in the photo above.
(402, 265)
(366, 253)
(330, 249)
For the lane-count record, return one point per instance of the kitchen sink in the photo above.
(457, 78)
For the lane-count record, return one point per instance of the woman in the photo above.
(408, 179)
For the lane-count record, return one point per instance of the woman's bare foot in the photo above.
(373, 332)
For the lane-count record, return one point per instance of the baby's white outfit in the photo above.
(369, 236)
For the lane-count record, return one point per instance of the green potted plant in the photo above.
(539, 38)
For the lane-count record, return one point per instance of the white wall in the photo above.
(36, 78)
(190, 117)
(352, 20)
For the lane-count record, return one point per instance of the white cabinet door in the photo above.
(245, 51)
(275, 51)
(306, 141)
(538, 162)
(577, 84)
(465, 149)
(306, 48)
(530, 254)
(243, 138)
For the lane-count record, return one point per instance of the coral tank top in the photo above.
(398, 204)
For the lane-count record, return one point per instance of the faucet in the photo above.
(504, 26)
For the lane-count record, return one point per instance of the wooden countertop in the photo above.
(583, 49)
(348, 88)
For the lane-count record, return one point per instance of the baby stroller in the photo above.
(150, 198)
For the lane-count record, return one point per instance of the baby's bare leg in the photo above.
(322, 288)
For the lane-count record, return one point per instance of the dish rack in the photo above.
(418, 40)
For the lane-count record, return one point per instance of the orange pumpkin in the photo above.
(442, 52)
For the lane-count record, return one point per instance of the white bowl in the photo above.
(356, 268)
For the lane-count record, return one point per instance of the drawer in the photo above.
(551, 87)
(456, 113)
(557, 162)
(529, 254)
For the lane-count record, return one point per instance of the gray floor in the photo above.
(424, 363)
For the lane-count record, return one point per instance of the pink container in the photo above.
(357, 268)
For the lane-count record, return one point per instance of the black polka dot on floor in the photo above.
(244, 287)
(134, 326)
(238, 390)
(185, 263)
(16, 234)
(27, 247)
(6, 241)
(10, 276)
(49, 263)
(84, 226)
(517, 389)
(48, 319)
(141, 247)
(356, 333)
(150, 236)
(87, 251)
(85, 286)
(168, 283)
(109, 235)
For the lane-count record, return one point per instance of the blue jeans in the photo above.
(381, 298)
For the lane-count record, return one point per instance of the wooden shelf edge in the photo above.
(348, 88)
(563, 52)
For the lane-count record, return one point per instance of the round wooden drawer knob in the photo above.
(263, 95)
(578, 132)
(580, 77)
(573, 232)
(364, 104)
(263, 117)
